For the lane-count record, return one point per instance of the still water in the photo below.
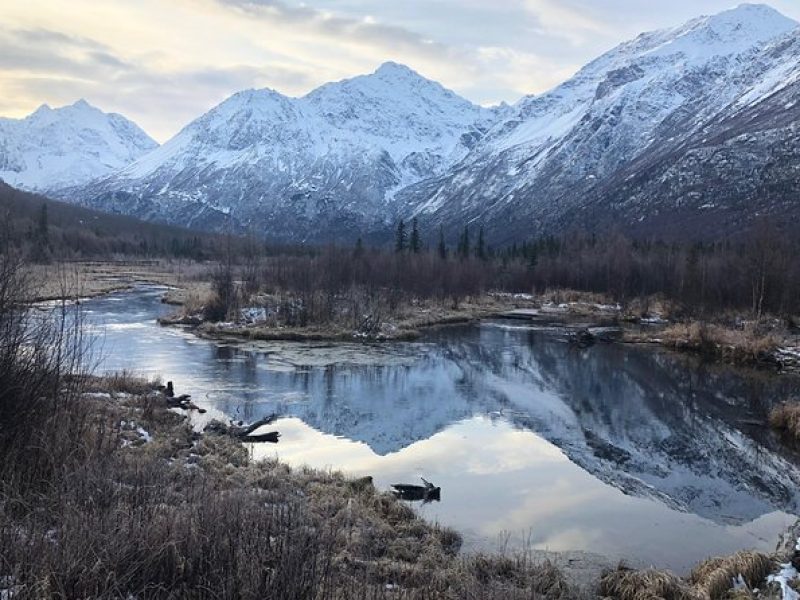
(625, 451)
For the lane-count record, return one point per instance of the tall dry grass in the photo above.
(180, 517)
(713, 579)
(741, 345)
(785, 419)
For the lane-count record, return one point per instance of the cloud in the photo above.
(364, 31)
(488, 74)
(565, 19)
(164, 63)
(45, 51)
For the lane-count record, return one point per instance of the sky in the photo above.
(163, 63)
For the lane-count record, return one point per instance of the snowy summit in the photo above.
(55, 148)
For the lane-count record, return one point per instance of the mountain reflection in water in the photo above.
(621, 450)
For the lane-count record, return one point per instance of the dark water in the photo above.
(624, 451)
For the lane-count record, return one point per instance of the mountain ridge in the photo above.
(352, 157)
(535, 168)
(332, 158)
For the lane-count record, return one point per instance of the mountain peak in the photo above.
(42, 110)
(751, 18)
(749, 11)
(739, 28)
(56, 148)
(394, 70)
(81, 104)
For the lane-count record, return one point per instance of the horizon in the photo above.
(77, 60)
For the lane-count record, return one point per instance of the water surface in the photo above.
(619, 450)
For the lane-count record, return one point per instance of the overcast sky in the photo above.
(164, 62)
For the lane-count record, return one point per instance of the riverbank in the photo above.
(767, 343)
(158, 506)
(89, 279)
(408, 325)
(262, 320)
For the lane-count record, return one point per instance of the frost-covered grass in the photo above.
(186, 517)
(739, 575)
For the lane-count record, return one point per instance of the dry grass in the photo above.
(185, 517)
(567, 296)
(650, 584)
(86, 279)
(739, 345)
(192, 296)
(121, 382)
(714, 579)
(652, 306)
(785, 419)
(406, 323)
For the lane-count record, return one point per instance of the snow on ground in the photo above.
(785, 577)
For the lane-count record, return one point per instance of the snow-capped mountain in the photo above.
(323, 165)
(674, 131)
(55, 148)
(627, 141)
(740, 165)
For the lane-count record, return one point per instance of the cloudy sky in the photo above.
(164, 62)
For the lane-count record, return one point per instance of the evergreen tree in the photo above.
(480, 248)
(463, 244)
(415, 243)
(43, 228)
(442, 246)
(400, 242)
(41, 237)
(533, 258)
(359, 249)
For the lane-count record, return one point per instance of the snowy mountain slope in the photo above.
(660, 90)
(742, 165)
(664, 134)
(325, 164)
(54, 148)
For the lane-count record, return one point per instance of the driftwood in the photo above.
(416, 493)
(245, 432)
(183, 401)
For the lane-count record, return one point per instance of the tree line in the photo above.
(758, 274)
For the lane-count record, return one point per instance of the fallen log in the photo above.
(416, 493)
(271, 437)
(243, 432)
(260, 423)
(183, 402)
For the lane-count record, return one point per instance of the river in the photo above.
(625, 451)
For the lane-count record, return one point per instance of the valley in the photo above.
(338, 335)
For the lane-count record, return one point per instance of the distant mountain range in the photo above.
(691, 131)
